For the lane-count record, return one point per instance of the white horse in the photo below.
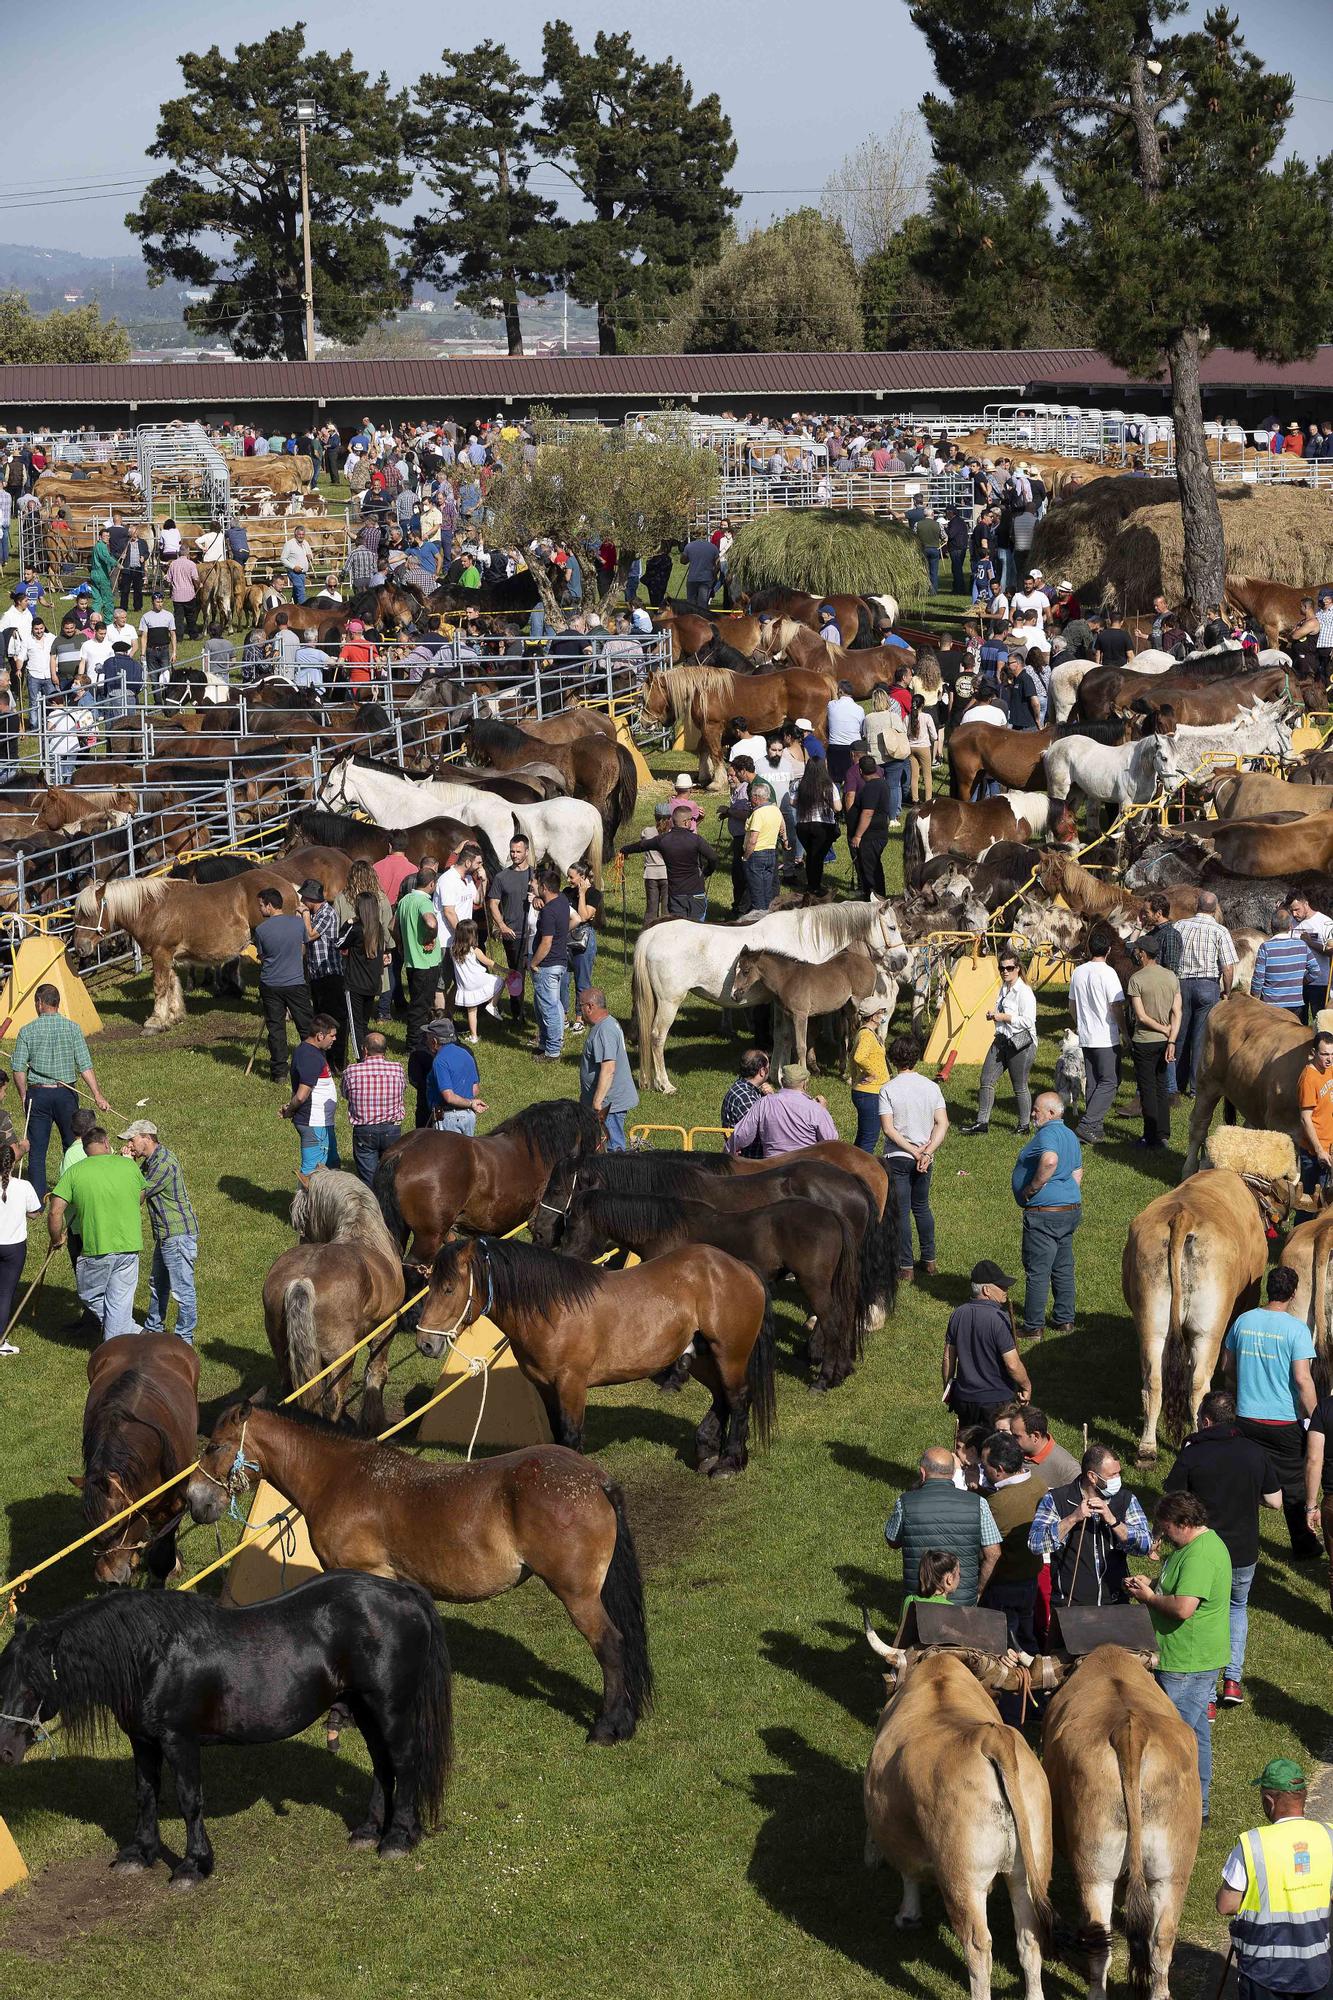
(1111, 773)
(1261, 731)
(680, 957)
(1065, 682)
(560, 830)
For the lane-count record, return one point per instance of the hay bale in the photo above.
(1076, 534)
(1279, 532)
(1241, 1149)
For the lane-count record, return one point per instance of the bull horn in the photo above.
(893, 1654)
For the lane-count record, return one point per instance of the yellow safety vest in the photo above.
(1281, 1930)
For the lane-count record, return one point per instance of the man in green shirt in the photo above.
(1190, 1610)
(106, 1190)
(419, 934)
(50, 1055)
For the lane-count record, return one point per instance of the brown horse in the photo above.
(1014, 755)
(569, 724)
(463, 1532)
(342, 1278)
(864, 668)
(361, 840)
(573, 1327)
(593, 767)
(1275, 607)
(431, 1182)
(710, 697)
(860, 620)
(139, 1426)
(708, 639)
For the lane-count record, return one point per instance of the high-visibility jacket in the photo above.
(1281, 1930)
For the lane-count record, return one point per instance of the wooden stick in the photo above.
(255, 1050)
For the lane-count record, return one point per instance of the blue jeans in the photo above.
(580, 965)
(107, 1284)
(455, 1120)
(866, 1105)
(913, 1193)
(53, 1104)
(1241, 1579)
(933, 569)
(368, 1143)
(896, 770)
(1189, 1695)
(319, 1147)
(172, 1277)
(296, 578)
(761, 878)
(1048, 1264)
(1198, 997)
(550, 1013)
(615, 1132)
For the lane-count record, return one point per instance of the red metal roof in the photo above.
(1223, 368)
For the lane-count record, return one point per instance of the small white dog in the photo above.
(1070, 1077)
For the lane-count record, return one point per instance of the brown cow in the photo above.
(1253, 1055)
(1309, 1251)
(1124, 1776)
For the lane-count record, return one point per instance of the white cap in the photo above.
(804, 722)
(684, 782)
(1038, 574)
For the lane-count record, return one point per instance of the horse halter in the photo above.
(237, 1480)
(449, 1334)
(550, 1206)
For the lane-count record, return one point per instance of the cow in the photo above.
(1124, 1776)
(1253, 1055)
(954, 1795)
(1309, 1251)
(958, 827)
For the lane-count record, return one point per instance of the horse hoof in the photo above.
(363, 1840)
(875, 1317)
(706, 1462)
(820, 1388)
(395, 1850)
(184, 1879)
(723, 1468)
(131, 1864)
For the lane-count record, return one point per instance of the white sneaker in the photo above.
(894, 824)
(7, 1347)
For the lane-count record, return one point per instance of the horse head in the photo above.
(29, 1691)
(1163, 768)
(550, 1216)
(884, 939)
(117, 1552)
(226, 1463)
(457, 1294)
(745, 975)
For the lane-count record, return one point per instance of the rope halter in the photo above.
(237, 1480)
(465, 1318)
(550, 1206)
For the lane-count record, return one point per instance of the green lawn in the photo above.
(720, 1851)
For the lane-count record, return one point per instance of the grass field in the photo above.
(719, 1851)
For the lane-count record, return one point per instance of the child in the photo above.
(939, 1576)
(476, 981)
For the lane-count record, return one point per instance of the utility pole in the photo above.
(305, 113)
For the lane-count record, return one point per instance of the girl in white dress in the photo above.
(476, 981)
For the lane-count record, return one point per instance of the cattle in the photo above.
(1253, 1055)
(953, 1795)
(958, 827)
(1309, 1251)
(1123, 1770)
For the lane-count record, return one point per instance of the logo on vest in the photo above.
(1300, 1855)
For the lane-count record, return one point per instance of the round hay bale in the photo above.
(1075, 537)
(1283, 533)
(827, 550)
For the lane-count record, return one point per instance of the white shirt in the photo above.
(998, 606)
(1019, 1004)
(168, 542)
(987, 711)
(1093, 991)
(1031, 606)
(37, 657)
(123, 635)
(211, 548)
(459, 893)
(92, 654)
(846, 721)
(753, 747)
(911, 1101)
(16, 618)
(19, 1200)
(296, 555)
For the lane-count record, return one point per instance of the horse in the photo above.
(1014, 755)
(429, 1182)
(860, 620)
(176, 1671)
(1112, 774)
(598, 770)
(567, 725)
(463, 1532)
(1276, 607)
(139, 1425)
(697, 638)
(431, 839)
(863, 668)
(676, 958)
(342, 1278)
(573, 1327)
(709, 698)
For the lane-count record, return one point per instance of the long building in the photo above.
(289, 394)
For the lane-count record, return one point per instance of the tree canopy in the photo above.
(80, 334)
(232, 144)
(789, 288)
(874, 189)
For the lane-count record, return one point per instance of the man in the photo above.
(157, 632)
(930, 541)
(1047, 1184)
(869, 823)
(323, 962)
(606, 1081)
(175, 1228)
(915, 1122)
(419, 935)
(786, 1120)
(1314, 1099)
(313, 1104)
(105, 1190)
(1206, 971)
(1021, 692)
(1266, 1356)
(374, 1090)
(1277, 1882)
(507, 910)
(286, 649)
(280, 942)
(1317, 930)
(1153, 994)
(133, 560)
(183, 576)
(1097, 1009)
(701, 560)
(1115, 648)
(50, 1056)
(981, 1368)
(750, 1085)
(1284, 967)
(550, 959)
(956, 539)
(453, 1086)
(689, 859)
(1088, 1530)
(936, 1514)
(1189, 1612)
(296, 558)
(458, 892)
(1234, 1477)
(1013, 1492)
(845, 726)
(1031, 1427)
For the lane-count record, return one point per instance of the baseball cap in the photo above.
(792, 1074)
(662, 810)
(987, 1273)
(141, 1128)
(441, 1028)
(1281, 1774)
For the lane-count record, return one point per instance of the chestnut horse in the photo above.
(139, 1426)
(1275, 607)
(1014, 755)
(430, 1182)
(573, 1327)
(861, 620)
(463, 1532)
(321, 1297)
(361, 840)
(709, 697)
(864, 668)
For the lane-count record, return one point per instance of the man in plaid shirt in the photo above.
(323, 963)
(373, 1088)
(1206, 971)
(50, 1055)
(175, 1230)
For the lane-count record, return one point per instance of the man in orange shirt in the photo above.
(1314, 1096)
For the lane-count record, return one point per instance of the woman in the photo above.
(365, 938)
(887, 740)
(1014, 1046)
(870, 1073)
(816, 819)
(18, 1200)
(939, 1575)
(922, 739)
(764, 834)
(585, 920)
(101, 572)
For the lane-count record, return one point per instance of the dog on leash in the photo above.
(1070, 1076)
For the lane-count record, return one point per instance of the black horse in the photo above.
(178, 1671)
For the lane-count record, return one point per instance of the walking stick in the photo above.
(46, 1262)
(255, 1050)
(1226, 1967)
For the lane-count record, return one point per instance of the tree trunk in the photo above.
(606, 330)
(1200, 515)
(513, 325)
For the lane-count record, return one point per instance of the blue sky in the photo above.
(801, 83)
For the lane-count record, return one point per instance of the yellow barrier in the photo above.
(636, 1130)
(722, 1131)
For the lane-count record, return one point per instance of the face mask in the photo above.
(1111, 1487)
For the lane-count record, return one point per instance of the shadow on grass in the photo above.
(496, 1659)
(265, 1201)
(841, 1672)
(869, 1465)
(1308, 1722)
(41, 1525)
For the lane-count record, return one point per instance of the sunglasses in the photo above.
(1010, 967)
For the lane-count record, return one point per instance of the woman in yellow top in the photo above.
(870, 1073)
(764, 834)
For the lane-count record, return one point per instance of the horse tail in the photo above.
(594, 858)
(622, 1601)
(761, 1376)
(1177, 1361)
(914, 852)
(886, 1231)
(385, 1188)
(1127, 1740)
(298, 1316)
(850, 1306)
(620, 800)
(645, 1013)
(864, 635)
(432, 1720)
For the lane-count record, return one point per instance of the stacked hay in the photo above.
(1076, 534)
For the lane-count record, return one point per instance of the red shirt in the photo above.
(392, 872)
(903, 697)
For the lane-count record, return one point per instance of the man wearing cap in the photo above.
(453, 1086)
(175, 1230)
(323, 962)
(1276, 1886)
(982, 1369)
(105, 1190)
(683, 800)
(788, 1119)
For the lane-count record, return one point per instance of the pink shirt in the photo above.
(783, 1122)
(183, 578)
(392, 872)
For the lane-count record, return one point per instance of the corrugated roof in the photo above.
(1223, 368)
(565, 378)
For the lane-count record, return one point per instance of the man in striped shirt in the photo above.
(1207, 969)
(175, 1230)
(1284, 966)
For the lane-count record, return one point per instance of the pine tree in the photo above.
(468, 133)
(1179, 231)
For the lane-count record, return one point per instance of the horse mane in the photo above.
(683, 683)
(488, 732)
(110, 1448)
(558, 1128)
(1114, 730)
(620, 1214)
(322, 828)
(649, 1174)
(101, 1650)
(334, 1207)
(523, 1278)
(818, 926)
(1085, 892)
(122, 900)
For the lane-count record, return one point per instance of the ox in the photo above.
(1124, 1776)
(1253, 1055)
(1309, 1251)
